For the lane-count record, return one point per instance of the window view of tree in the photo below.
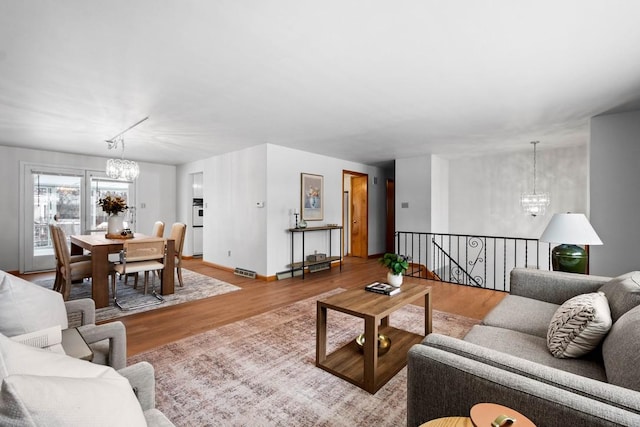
(56, 199)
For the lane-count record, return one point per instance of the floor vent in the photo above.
(244, 273)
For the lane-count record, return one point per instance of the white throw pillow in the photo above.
(21, 359)
(48, 339)
(27, 307)
(63, 401)
(44, 388)
(579, 325)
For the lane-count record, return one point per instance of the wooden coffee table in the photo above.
(368, 371)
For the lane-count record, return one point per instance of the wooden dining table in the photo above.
(100, 248)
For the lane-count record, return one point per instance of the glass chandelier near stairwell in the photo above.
(126, 170)
(535, 203)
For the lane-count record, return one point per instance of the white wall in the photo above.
(257, 237)
(439, 195)
(413, 187)
(234, 228)
(284, 168)
(485, 191)
(155, 187)
(615, 195)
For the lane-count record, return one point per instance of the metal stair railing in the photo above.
(457, 274)
(472, 260)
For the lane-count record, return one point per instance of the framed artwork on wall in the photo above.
(312, 197)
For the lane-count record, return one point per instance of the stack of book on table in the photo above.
(382, 288)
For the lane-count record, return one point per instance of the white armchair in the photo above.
(26, 307)
(107, 341)
(41, 387)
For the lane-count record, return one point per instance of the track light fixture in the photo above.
(126, 170)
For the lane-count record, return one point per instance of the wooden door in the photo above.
(359, 217)
(391, 216)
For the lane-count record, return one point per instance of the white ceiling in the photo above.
(366, 80)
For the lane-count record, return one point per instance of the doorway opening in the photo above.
(390, 242)
(356, 213)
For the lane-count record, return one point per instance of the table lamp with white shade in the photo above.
(570, 230)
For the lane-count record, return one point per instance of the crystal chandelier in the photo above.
(126, 170)
(535, 203)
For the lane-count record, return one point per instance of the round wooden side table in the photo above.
(449, 422)
(484, 415)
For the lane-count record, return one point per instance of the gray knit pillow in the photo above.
(579, 325)
(623, 293)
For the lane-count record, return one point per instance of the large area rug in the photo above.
(196, 286)
(261, 372)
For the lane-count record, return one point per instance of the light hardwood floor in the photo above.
(163, 325)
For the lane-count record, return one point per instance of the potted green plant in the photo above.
(397, 265)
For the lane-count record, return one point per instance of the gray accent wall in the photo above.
(485, 190)
(615, 192)
(413, 194)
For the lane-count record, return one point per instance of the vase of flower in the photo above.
(115, 224)
(114, 206)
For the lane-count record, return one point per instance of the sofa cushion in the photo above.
(44, 388)
(27, 307)
(534, 349)
(623, 293)
(521, 314)
(595, 389)
(621, 351)
(579, 325)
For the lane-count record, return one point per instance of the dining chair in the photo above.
(138, 256)
(178, 231)
(57, 284)
(158, 229)
(71, 271)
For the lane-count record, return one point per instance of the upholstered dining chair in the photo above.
(178, 230)
(138, 256)
(158, 229)
(70, 271)
(57, 284)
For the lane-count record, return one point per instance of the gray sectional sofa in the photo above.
(505, 360)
